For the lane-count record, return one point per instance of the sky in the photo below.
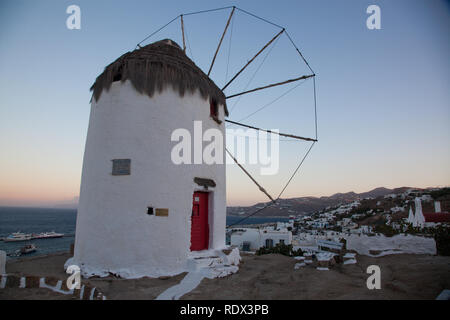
(382, 95)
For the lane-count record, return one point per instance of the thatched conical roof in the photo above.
(153, 67)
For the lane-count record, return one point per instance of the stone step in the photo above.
(209, 262)
(216, 262)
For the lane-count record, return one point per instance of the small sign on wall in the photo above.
(121, 167)
(162, 212)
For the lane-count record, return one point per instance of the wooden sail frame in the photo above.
(304, 77)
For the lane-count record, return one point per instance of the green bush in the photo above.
(442, 238)
(280, 248)
(412, 230)
(297, 253)
(439, 193)
(388, 231)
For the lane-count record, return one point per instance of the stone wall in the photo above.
(84, 293)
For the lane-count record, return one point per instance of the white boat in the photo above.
(46, 235)
(28, 248)
(18, 236)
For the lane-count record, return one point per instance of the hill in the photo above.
(308, 205)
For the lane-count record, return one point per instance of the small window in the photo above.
(214, 111)
(150, 211)
(117, 77)
(269, 243)
(121, 167)
(281, 241)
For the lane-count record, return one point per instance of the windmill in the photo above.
(139, 213)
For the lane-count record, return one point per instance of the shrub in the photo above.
(412, 230)
(283, 249)
(388, 231)
(439, 193)
(297, 253)
(442, 238)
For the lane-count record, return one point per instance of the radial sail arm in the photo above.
(221, 39)
(249, 175)
(272, 85)
(270, 131)
(251, 60)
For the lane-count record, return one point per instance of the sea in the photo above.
(36, 220)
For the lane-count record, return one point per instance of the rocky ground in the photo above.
(403, 276)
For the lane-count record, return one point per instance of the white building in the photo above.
(141, 213)
(419, 219)
(251, 239)
(285, 225)
(344, 222)
(437, 206)
(410, 216)
(361, 230)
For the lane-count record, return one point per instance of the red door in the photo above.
(199, 226)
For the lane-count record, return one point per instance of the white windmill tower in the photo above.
(134, 215)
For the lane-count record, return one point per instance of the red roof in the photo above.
(437, 217)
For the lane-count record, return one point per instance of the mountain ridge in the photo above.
(309, 204)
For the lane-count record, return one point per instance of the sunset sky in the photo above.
(383, 96)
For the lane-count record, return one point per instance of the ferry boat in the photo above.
(46, 235)
(17, 236)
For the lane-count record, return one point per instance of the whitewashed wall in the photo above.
(252, 236)
(276, 236)
(114, 233)
(257, 237)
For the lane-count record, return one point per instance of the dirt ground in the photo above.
(272, 276)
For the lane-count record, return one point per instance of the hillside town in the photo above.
(405, 222)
